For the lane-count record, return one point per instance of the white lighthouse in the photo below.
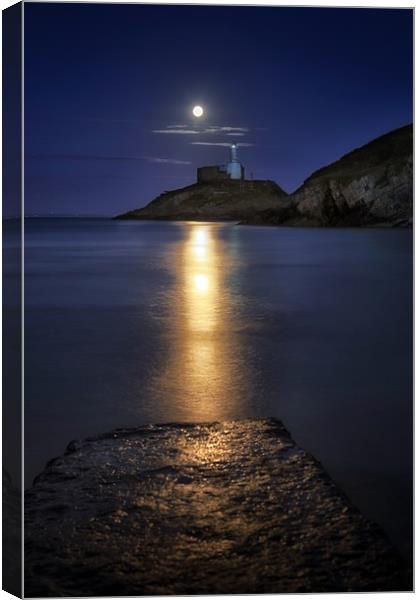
(234, 167)
(231, 170)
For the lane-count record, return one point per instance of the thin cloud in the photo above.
(169, 161)
(225, 128)
(243, 144)
(210, 129)
(87, 157)
(238, 134)
(179, 131)
(244, 129)
(82, 157)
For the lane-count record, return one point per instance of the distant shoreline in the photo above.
(382, 226)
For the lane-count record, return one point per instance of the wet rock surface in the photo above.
(233, 507)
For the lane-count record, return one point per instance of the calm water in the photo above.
(130, 322)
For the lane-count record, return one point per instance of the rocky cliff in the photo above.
(371, 186)
(218, 200)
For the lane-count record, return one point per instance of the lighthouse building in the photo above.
(231, 170)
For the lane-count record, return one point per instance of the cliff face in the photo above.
(218, 200)
(373, 185)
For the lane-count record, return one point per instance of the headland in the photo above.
(372, 186)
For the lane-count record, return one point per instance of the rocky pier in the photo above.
(232, 507)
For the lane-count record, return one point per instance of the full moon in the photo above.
(198, 111)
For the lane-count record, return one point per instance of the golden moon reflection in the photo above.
(204, 375)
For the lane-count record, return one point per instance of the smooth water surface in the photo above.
(134, 322)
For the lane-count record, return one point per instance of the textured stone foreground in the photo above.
(233, 507)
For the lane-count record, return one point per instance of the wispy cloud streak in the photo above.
(93, 157)
(177, 131)
(243, 144)
(227, 128)
(210, 129)
(169, 161)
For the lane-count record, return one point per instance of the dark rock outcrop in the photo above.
(218, 200)
(231, 507)
(371, 186)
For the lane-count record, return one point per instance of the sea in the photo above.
(136, 322)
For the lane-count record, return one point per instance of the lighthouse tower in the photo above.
(231, 170)
(234, 167)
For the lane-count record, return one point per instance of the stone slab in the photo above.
(233, 507)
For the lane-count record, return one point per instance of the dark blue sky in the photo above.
(302, 85)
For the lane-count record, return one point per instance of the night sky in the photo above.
(109, 91)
